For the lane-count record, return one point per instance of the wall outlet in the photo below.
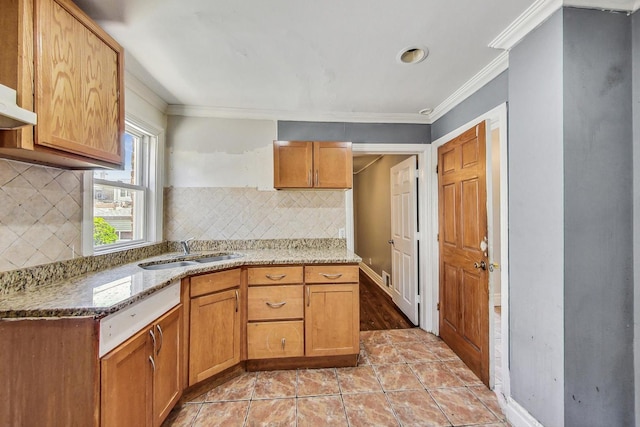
(341, 233)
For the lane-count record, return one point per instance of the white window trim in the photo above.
(153, 195)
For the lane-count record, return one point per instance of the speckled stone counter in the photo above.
(101, 293)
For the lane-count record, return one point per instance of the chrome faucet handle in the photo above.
(185, 245)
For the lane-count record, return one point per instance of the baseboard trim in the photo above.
(375, 277)
(516, 414)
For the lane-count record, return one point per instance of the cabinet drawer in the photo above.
(275, 339)
(331, 274)
(214, 282)
(275, 275)
(276, 302)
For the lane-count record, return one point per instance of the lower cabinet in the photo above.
(215, 324)
(141, 380)
(332, 320)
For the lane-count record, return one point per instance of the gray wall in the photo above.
(536, 244)
(636, 203)
(598, 171)
(400, 133)
(488, 97)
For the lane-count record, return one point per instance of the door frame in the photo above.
(425, 258)
(496, 118)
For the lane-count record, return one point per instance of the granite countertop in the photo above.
(105, 292)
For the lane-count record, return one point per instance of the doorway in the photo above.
(384, 157)
(497, 214)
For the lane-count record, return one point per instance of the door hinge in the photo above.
(438, 237)
(438, 306)
(436, 168)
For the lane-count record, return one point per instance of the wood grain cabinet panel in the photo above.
(312, 164)
(275, 339)
(333, 163)
(141, 378)
(167, 380)
(332, 320)
(331, 274)
(214, 342)
(274, 275)
(275, 302)
(127, 384)
(77, 72)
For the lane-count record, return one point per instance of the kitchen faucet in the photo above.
(185, 245)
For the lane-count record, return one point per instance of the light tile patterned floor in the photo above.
(405, 377)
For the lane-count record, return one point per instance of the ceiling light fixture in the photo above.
(413, 55)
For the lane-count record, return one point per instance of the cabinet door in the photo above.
(214, 341)
(333, 164)
(292, 164)
(127, 383)
(78, 75)
(332, 320)
(167, 381)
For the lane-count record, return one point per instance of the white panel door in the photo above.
(404, 242)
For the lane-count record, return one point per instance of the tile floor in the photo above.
(404, 377)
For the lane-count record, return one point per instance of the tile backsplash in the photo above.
(40, 214)
(246, 213)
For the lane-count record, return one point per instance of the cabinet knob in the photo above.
(275, 276)
(153, 363)
(331, 276)
(161, 338)
(283, 343)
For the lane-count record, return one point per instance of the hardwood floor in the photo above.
(377, 311)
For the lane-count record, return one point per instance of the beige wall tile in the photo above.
(40, 214)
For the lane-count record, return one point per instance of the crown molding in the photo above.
(541, 10)
(484, 76)
(618, 5)
(135, 85)
(259, 114)
(535, 15)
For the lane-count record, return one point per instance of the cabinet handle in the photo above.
(275, 276)
(237, 300)
(153, 363)
(317, 181)
(283, 342)
(161, 338)
(153, 337)
(331, 276)
(309, 179)
(275, 304)
(308, 297)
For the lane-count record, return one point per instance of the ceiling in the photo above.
(292, 56)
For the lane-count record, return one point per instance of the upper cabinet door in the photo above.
(78, 74)
(333, 164)
(292, 164)
(308, 164)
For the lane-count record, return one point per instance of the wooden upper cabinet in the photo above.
(333, 165)
(292, 164)
(78, 75)
(312, 164)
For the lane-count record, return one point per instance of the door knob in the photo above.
(390, 242)
(482, 265)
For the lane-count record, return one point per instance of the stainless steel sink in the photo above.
(166, 265)
(215, 258)
(163, 265)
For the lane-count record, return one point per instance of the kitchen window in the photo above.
(124, 203)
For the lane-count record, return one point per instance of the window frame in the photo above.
(149, 167)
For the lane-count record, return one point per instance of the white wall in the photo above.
(211, 152)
